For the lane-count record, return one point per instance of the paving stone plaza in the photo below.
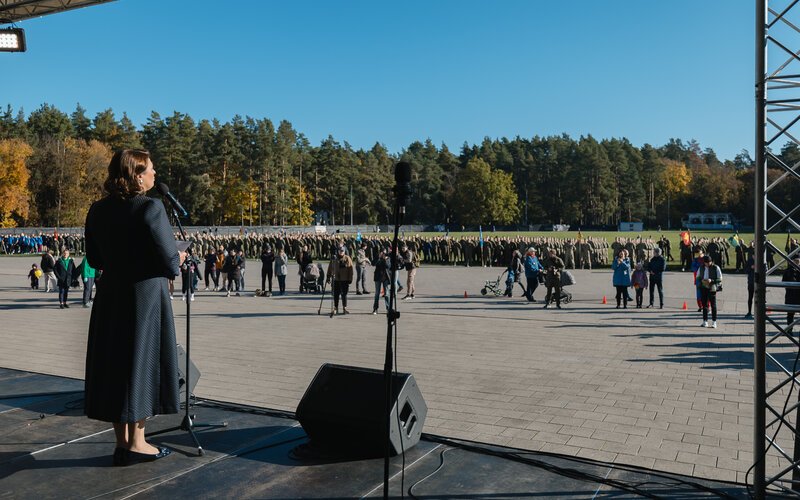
(646, 387)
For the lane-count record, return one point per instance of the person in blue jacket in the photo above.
(622, 277)
(532, 269)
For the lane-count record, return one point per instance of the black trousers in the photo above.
(233, 280)
(63, 293)
(212, 272)
(751, 290)
(340, 290)
(622, 295)
(707, 298)
(656, 283)
(187, 282)
(266, 275)
(553, 293)
(533, 283)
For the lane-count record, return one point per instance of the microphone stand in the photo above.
(391, 321)
(188, 424)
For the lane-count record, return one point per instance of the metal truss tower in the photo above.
(776, 443)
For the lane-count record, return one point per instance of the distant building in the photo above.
(710, 221)
(631, 226)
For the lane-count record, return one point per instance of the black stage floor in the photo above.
(48, 449)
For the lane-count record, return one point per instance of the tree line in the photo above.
(250, 171)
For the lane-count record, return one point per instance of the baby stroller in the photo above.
(313, 278)
(493, 287)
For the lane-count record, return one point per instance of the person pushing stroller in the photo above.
(552, 279)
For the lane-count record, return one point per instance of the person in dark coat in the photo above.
(792, 273)
(382, 279)
(709, 281)
(66, 273)
(655, 269)
(622, 277)
(552, 279)
(340, 273)
(267, 265)
(131, 359)
(750, 269)
(47, 264)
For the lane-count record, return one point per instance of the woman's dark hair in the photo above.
(122, 171)
(707, 258)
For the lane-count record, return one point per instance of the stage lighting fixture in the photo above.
(12, 40)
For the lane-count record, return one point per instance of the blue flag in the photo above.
(480, 229)
(358, 236)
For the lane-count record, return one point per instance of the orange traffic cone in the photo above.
(604, 300)
(465, 294)
(685, 307)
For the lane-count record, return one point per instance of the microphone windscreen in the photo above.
(162, 188)
(402, 173)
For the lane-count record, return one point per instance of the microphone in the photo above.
(164, 190)
(402, 188)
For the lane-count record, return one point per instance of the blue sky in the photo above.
(394, 72)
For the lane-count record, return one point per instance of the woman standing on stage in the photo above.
(131, 359)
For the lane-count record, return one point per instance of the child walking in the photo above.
(34, 275)
(639, 281)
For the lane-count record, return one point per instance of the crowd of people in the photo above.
(25, 243)
(219, 264)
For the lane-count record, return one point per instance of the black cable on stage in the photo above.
(441, 464)
(780, 424)
(519, 456)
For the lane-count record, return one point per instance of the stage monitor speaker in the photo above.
(343, 410)
(194, 374)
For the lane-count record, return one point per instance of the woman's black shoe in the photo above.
(119, 456)
(132, 457)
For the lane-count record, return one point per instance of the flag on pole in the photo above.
(480, 230)
(580, 236)
(734, 240)
(358, 236)
(686, 238)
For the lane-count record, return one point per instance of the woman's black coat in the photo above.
(131, 359)
(65, 275)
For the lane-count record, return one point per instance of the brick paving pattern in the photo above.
(645, 387)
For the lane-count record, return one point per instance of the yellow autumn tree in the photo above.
(82, 178)
(240, 205)
(300, 213)
(676, 178)
(14, 175)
